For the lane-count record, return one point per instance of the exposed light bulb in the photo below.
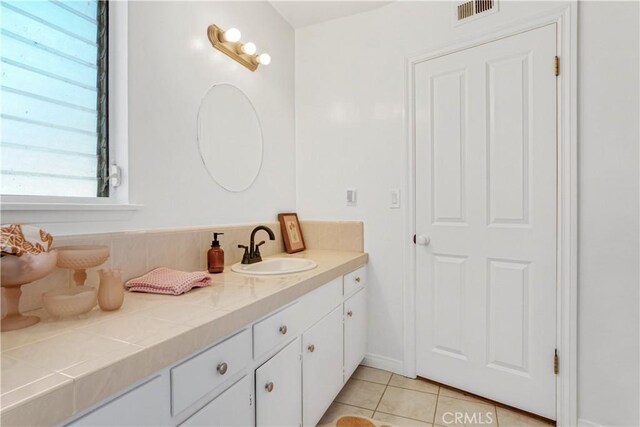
(232, 35)
(248, 48)
(264, 59)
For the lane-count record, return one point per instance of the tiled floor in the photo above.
(399, 401)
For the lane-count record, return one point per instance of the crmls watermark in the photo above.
(466, 418)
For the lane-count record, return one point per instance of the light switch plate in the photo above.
(395, 199)
(352, 196)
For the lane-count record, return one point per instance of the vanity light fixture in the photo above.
(228, 42)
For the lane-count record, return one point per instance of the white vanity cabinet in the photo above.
(355, 331)
(322, 358)
(278, 388)
(283, 369)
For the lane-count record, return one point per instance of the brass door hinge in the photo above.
(556, 362)
(557, 65)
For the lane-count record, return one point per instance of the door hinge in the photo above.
(557, 65)
(556, 362)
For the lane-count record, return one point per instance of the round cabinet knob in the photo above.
(222, 368)
(269, 387)
(358, 279)
(311, 348)
(350, 313)
(283, 329)
(423, 240)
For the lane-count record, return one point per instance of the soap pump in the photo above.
(215, 256)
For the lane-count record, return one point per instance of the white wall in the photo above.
(608, 114)
(171, 66)
(350, 105)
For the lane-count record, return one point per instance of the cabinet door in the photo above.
(355, 332)
(279, 388)
(231, 408)
(321, 366)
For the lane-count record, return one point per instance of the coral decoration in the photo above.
(18, 241)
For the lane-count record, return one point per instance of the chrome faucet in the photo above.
(252, 252)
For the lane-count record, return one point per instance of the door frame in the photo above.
(566, 18)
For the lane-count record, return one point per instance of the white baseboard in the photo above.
(383, 362)
(586, 423)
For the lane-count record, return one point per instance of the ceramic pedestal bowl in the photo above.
(81, 257)
(18, 271)
(70, 302)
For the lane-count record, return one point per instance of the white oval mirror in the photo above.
(229, 137)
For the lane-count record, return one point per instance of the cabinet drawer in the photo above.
(355, 280)
(208, 370)
(149, 401)
(276, 330)
(231, 408)
(317, 303)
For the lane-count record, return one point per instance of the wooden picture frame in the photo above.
(291, 232)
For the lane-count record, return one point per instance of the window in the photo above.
(54, 104)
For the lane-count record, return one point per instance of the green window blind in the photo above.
(53, 98)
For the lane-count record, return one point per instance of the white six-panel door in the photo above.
(485, 129)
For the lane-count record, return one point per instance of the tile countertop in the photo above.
(55, 369)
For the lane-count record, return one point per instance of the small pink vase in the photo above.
(111, 290)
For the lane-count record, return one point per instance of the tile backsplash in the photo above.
(185, 249)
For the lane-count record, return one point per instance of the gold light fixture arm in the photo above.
(231, 49)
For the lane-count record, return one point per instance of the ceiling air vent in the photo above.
(473, 9)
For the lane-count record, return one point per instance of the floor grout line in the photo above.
(381, 396)
(413, 389)
(402, 416)
(352, 405)
(435, 409)
(400, 387)
(369, 381)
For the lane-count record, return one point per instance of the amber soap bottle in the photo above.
(215, 256)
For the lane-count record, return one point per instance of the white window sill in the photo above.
(67, 207)
(58, 213)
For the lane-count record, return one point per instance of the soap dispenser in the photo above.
(215, 256)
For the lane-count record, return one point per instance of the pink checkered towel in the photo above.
(164, 280)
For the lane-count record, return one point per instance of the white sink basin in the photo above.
(271, 266)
